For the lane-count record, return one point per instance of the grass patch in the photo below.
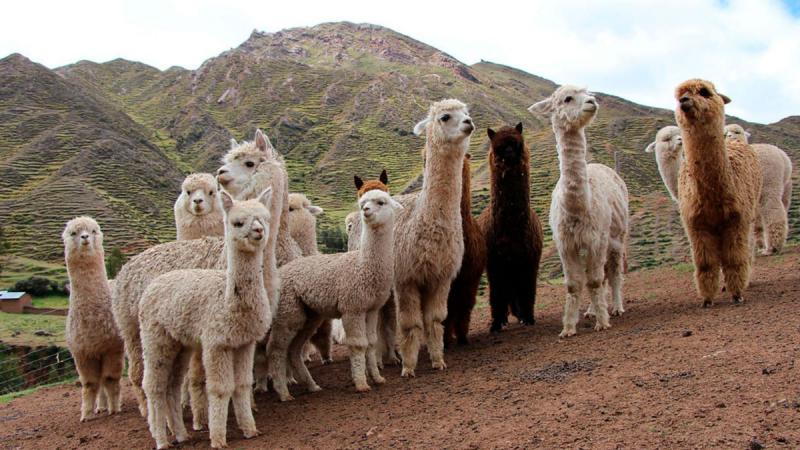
(684, 267)
(17, 268)
(5, 398)
(20, 329)
(54, 301)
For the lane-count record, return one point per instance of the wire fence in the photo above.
(25, 368)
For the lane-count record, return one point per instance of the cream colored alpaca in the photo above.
(257, 166)
(668, 148)
(197, 212)
(772, 223)
(588, 212)
(353, 285)
(719, 188)
(303, 223)
(91, 335)
(353, 228)
(220, 314)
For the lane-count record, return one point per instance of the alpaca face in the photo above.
(736, 133)
(82, 238)
(199, 192)
(668, 141)
(349, 222)
(377, 208)
(242, 161)
(699, 102)
(300, 203)
(569, 107)
(507, 146)
(448, 121)
(247, 221)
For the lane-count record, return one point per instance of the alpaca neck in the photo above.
(376, 243)
(707, 161)
(85, 272)
(245, 279)
(510, 191)
(466, 193)
(441, 186)
(571, 146)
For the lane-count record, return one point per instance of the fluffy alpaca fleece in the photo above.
(353, 228)
(219, 314)
(303, 223)
(265, 169)
(588, 211)
(512, 230)
(197, 212)
(668, 148)
(91, 335)
(352, 285)
(464, 288)
(719, 188)
(772, 222)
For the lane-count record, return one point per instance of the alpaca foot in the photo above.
(182, 438)
(314, 388)
(251, 433)
(708, 303)
(439, 365)
(197, 426)
(362, 387)
(601, 326)
(590, 311)
(617, 311)
(219, 443)
(496, 327)
(143, 410)
(326, 361)
(262, 385)
(528, 321)
(407, 373)
(738, 300)
(99, 410)
(567, 332)
(378, 379)
(291, 380)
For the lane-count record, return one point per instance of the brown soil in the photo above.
(669, 374)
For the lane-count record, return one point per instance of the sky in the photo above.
(639, 50)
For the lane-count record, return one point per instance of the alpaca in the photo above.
(352, 285)
(91, 335)
(303, 223)
(718, 187)
(252, 166)
(668, 148)
(353, 229)
(217, 313)
(588, 211)
(352, 225)
(464, 288)
(197, 213)
(776, 191)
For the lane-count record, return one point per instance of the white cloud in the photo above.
(635, 49)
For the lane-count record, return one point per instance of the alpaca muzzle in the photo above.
(685, 103)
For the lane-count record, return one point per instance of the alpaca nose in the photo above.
(198, 200)
(367, 210)
(85, 238)
(591, 101)
(470, 127)
(222, 176)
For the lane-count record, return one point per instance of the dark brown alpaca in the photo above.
(512, 230)
(464, 287)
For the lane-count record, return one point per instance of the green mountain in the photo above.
(114, 140)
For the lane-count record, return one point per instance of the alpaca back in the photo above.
(610, 193)
(777, 173)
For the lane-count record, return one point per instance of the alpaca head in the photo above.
(349, 222)
(242, 161)
(377, 208)
(302, 215)
(199, 194)
(448, 122)
(364, 186)
(569, 108)
(699, 103)
(668, 142)
(247, 221)
(735, 132)
(507, 147)
(82, 239)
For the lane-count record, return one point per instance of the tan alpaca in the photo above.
(197, 212)
(588, 212)
(353, 285)
(772, 222)
(303, 223)
(719, 187)
(91, 335)
(220, 314)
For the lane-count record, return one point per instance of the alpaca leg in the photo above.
(595, 275)
(762, 245)
(159, 357)
(498, 302)
(89, 373)
(735, 258)
(102, 401)
(196, 383)
(218, 363)
(524, 297)
(409, 319)
(295, 354)
(260, 372)
(243, 387)
(574, 280)
(387, 332)
(372, 350)
(434, 310)
(706, 265)
(355, 328)
(285, 327)
(462, 320)
(174, 387)
(133, 349)
(111, 373)
(322, 340)
(613, 273)
(777, 226)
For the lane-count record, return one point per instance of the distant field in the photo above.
(54, 301)
(20, 329)
(16, 268)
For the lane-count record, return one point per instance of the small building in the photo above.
(14, 302)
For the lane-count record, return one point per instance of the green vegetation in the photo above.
(5, 398)
(32, 329)
(18, 268)
(52, 301)
(114, 261)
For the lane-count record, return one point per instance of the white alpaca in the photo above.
(220, 314)
(303, 223)
(197, 212)
(92, 336)
(588, 212)
(353, 285)
(772, 221)
(668, 148)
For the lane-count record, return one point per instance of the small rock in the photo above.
(755, 444)
(687, 333)
(768, 370)
(781, 439)
(720, 405)
(42, 333)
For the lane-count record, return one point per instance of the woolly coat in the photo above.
(190, 225)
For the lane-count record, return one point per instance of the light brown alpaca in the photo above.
(719, 187)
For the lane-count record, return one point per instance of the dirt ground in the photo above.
(668, 374)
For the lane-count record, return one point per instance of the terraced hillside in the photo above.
(335, 99)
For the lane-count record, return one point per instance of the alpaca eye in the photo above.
(381, 202)
(94, 231)
(238, 224)
(210, 192)
(188, 192)
(568, 99)
(445, 118)
(291, 209)
(705, 92)
(250, 164)
(74, 233)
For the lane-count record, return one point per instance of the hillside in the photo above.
(113, 139)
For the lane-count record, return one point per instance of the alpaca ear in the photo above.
(227, 201)
(747, 134)
(650, 148)
(467, 156)
(265, 196)
(395, 204)
(541, 108)
(263, 144)
(358, 181)
(234, 144)
(420, 126)
(490, 132)
(314, 210)
(725, 98)
(384, 178)
(519, 128)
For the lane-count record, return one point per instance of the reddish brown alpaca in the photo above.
(464, 287)
(512, 229)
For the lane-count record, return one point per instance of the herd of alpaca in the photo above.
(244, 295)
